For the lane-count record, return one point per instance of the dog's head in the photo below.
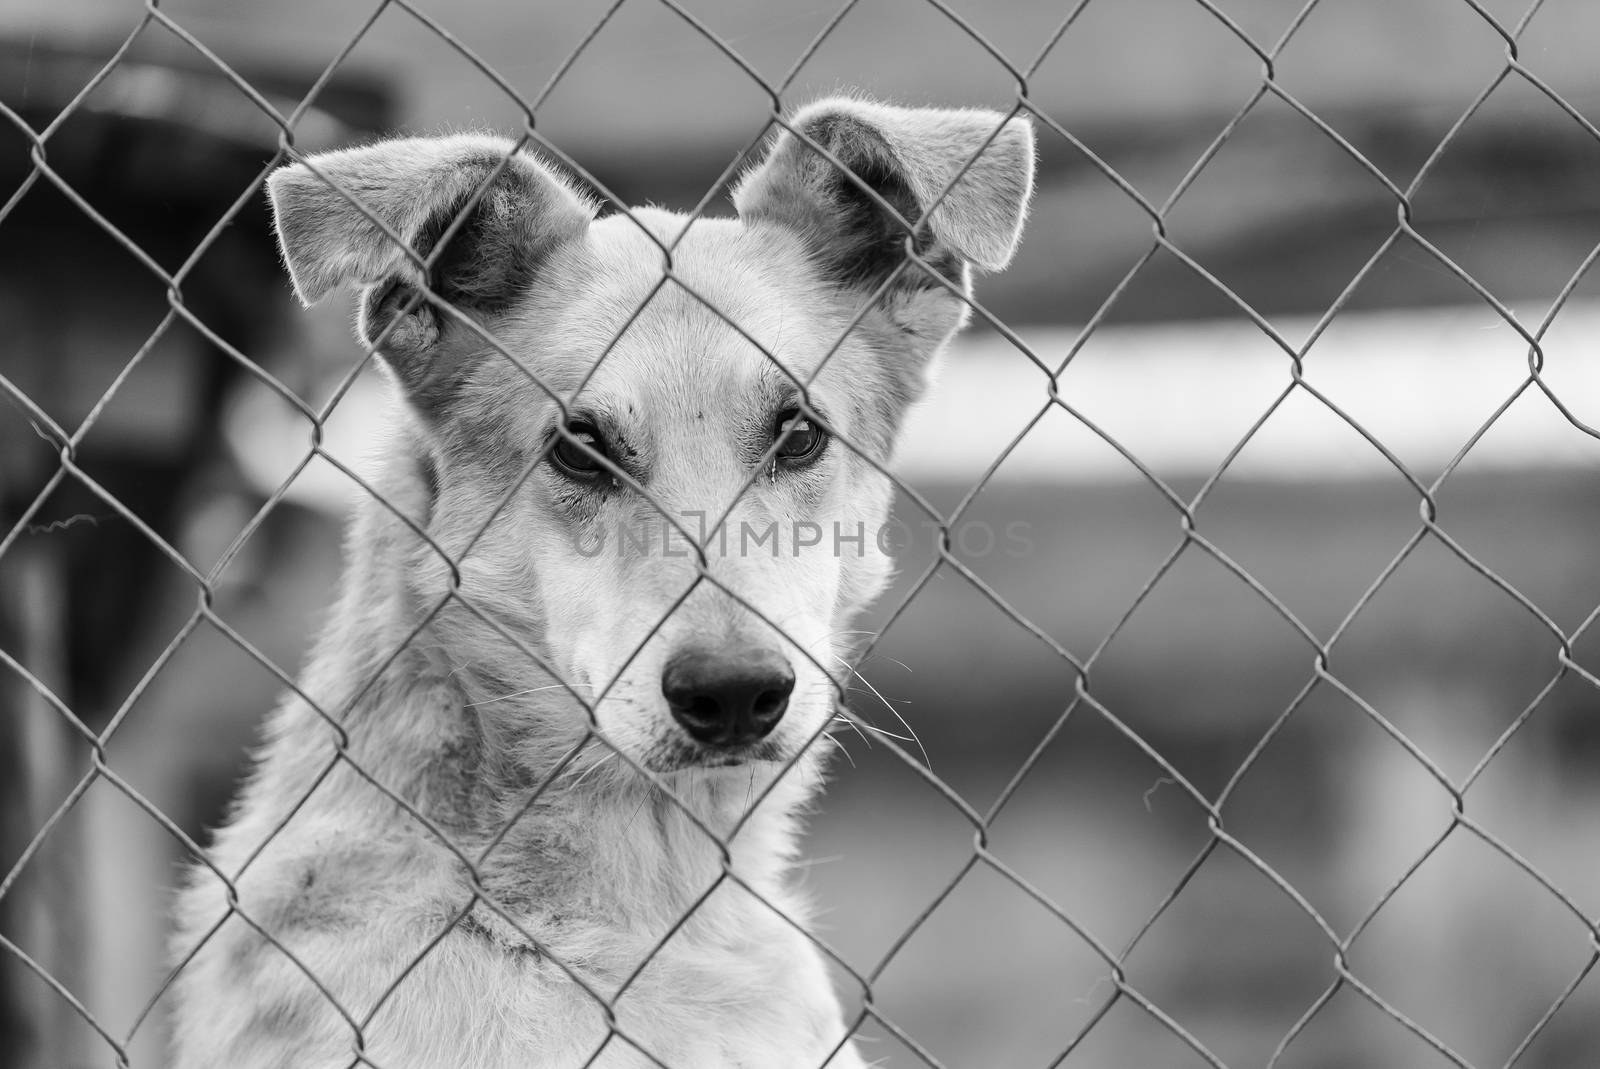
(673, 431)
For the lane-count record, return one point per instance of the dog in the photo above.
(532, 803)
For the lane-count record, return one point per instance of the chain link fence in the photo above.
(57, 757)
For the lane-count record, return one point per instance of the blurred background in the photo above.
(1467, 672)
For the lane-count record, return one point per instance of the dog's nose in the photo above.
(728, 699)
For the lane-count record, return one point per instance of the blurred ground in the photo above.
(1472, 947)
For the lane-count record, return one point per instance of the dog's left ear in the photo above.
(371, 217)
(976, 166)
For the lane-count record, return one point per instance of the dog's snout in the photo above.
(728, 699)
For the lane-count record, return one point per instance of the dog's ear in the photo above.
(328, 212)
(909, 158)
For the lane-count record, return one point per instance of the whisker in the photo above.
(530, 690)
(854, 727)
(809, 862)
(592, 769)
(829, 639)
(876, 730)
(649, 789)
(829, 738)
(876, 694)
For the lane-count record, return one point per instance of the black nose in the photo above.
(728, 698)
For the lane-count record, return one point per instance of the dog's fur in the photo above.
(343, 893)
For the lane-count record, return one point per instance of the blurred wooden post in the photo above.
(164, 153)
(17, 1019)
(41, 912)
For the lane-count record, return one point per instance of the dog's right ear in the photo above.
(328, 212)
(970, 172)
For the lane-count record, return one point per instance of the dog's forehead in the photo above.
(734, 298)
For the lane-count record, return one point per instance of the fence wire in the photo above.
(1190, 536)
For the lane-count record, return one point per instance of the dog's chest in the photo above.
(766, 1006)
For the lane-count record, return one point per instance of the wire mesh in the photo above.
(1319, 649)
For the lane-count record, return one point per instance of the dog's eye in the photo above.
(800, 439)
(580, 461)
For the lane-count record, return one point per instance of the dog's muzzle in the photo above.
(728, 698)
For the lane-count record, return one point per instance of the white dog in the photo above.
(548, 817)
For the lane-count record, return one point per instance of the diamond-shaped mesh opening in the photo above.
(1524, 940)
(1296, 823)
(1376, 510)
(1232, 705)
(1250, 949)
(1300, 185)
(1093, 77)
(1346, 1026)
(1109, 402)
(946, 35)
(1545, 165)
(1161, 837)
(1052, 987)
(1549, 36)
(1335, 63)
